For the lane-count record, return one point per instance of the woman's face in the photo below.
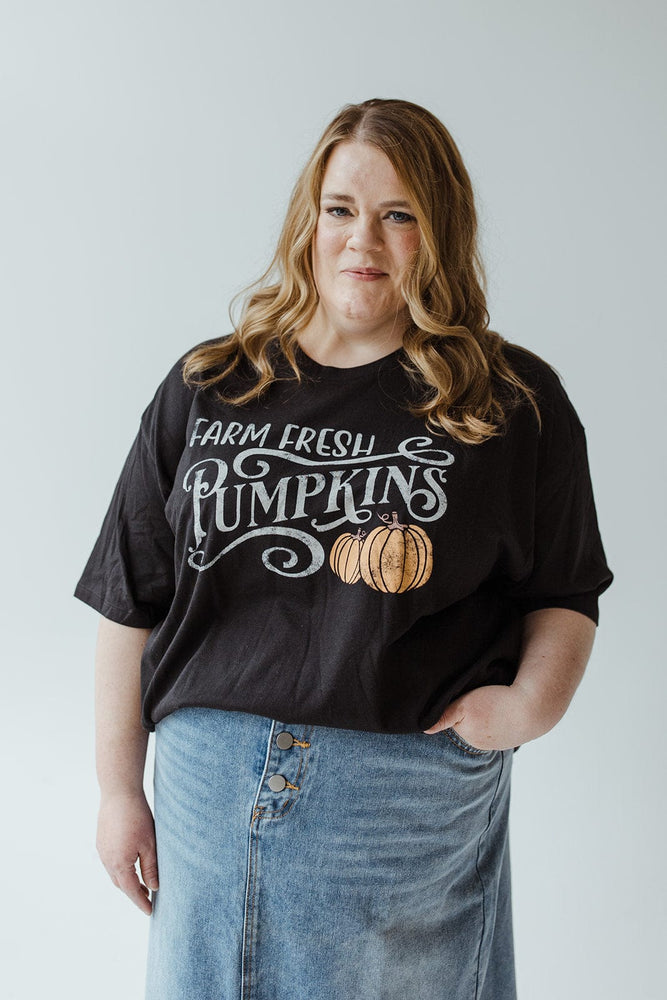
(366, 237)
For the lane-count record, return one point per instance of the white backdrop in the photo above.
(148, 151)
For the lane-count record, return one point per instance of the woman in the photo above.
(352, 562)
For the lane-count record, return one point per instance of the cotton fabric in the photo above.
(319, 555)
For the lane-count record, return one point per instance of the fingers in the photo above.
(452, 717)
(128, 882)
(148, 865)
(124, 876)
(125, 835)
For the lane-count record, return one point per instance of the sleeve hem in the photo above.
(585, 604)
(133, 617)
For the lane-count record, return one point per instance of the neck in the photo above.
(342, 348)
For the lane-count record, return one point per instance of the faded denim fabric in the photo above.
(379, 871)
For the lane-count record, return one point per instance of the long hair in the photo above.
(465, 384)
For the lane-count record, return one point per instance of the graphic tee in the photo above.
(320, 556)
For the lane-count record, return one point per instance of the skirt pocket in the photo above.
(462, 744)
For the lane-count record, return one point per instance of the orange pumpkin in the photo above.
(344, 556)
(396, 557)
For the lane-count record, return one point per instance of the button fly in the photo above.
(277, 783)
(284, 740)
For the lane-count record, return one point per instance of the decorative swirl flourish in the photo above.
(289, 558)
(417, 449)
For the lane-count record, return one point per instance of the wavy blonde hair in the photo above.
(468, 386)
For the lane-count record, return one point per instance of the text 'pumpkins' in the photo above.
(393, 558)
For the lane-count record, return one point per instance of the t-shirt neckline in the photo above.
(331, 373)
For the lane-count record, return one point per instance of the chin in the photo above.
(367, 321)
(366, 312)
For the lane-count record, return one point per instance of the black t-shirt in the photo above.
(319, 555)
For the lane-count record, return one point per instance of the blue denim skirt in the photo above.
(301, 861)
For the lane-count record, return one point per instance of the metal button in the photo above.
(277, 783)
(284, 740)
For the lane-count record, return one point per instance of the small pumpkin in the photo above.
(396, 557)
(344, 556)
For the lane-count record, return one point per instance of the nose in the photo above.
(365, 235)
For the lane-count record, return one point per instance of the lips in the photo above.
(364, 270)
(365, 273)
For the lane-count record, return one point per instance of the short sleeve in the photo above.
(568, 566)
(130, 575)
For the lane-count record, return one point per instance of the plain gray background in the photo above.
(148, 151)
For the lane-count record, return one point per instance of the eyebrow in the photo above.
(348, 198)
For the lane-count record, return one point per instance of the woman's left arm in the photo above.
(556, 647)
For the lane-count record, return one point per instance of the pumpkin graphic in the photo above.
(396, 557)
(344, 556)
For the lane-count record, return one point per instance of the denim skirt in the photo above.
(300, 862)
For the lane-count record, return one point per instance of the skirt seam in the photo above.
(251, 879)
(479, 874)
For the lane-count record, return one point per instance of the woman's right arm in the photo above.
(125, 830)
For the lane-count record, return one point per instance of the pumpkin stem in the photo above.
(393, 524)
(359, 535)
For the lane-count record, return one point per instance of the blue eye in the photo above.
(341, 212)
